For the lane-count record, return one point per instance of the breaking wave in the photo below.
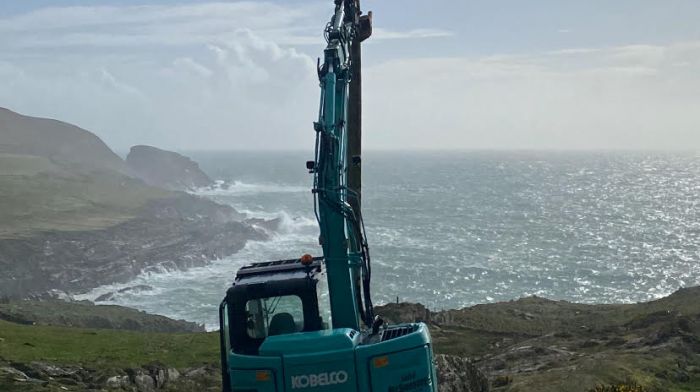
(194, 294)
(223, 188)
(490, 227)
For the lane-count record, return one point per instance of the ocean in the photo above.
(454, 229)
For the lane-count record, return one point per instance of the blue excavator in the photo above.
(308, 323)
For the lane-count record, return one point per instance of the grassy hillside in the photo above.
(527, 345)
(104, 348)
(535, 344)
(60, 142)
(56, 176)
(37, 194)
(78, 359)
(85, 314)
(72, 216)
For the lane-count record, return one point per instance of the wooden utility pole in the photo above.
(354, 151)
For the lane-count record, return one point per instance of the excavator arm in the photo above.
(337, 204)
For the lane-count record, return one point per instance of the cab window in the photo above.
(274, 316)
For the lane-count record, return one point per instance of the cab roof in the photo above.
(277, 270)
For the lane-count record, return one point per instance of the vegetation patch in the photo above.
(103, 348)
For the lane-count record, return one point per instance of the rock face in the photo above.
(58, 141)
(166, 169)
(457, 374)
(150, 378)
(397, 313)
(73, 216)
(176, 233)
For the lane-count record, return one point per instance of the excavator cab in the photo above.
(275, 298)
(276, 335)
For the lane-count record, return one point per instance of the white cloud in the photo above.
(188, 64)
(175, 25)
(230, 75)
(248, 93)
(618, 97)
(383, 34)
(206, 75)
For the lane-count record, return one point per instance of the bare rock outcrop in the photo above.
(404, 312)
(457, 374)
(74, 217)
(166, 169)
(168, 234)
(149, 378)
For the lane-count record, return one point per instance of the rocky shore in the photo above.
(173, 233)
(74, 215)
(166, 169)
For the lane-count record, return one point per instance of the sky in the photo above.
(438, 74)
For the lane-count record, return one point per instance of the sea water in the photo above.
(453, 229)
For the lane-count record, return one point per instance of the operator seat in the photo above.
(282, 323)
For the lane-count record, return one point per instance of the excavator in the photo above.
(308, 323)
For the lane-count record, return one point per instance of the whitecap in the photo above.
(222, 188)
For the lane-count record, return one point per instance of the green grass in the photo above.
(654, 344)
(464, 341)
(100, 348)
(24, 165)
(37, 195)
(88, 315)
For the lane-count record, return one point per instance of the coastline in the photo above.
(174, 233)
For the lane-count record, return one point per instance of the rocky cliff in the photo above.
(172, 233)
(166, 169)
(459, 374)
(73, 218)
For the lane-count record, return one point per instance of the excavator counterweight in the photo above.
(309, 323)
